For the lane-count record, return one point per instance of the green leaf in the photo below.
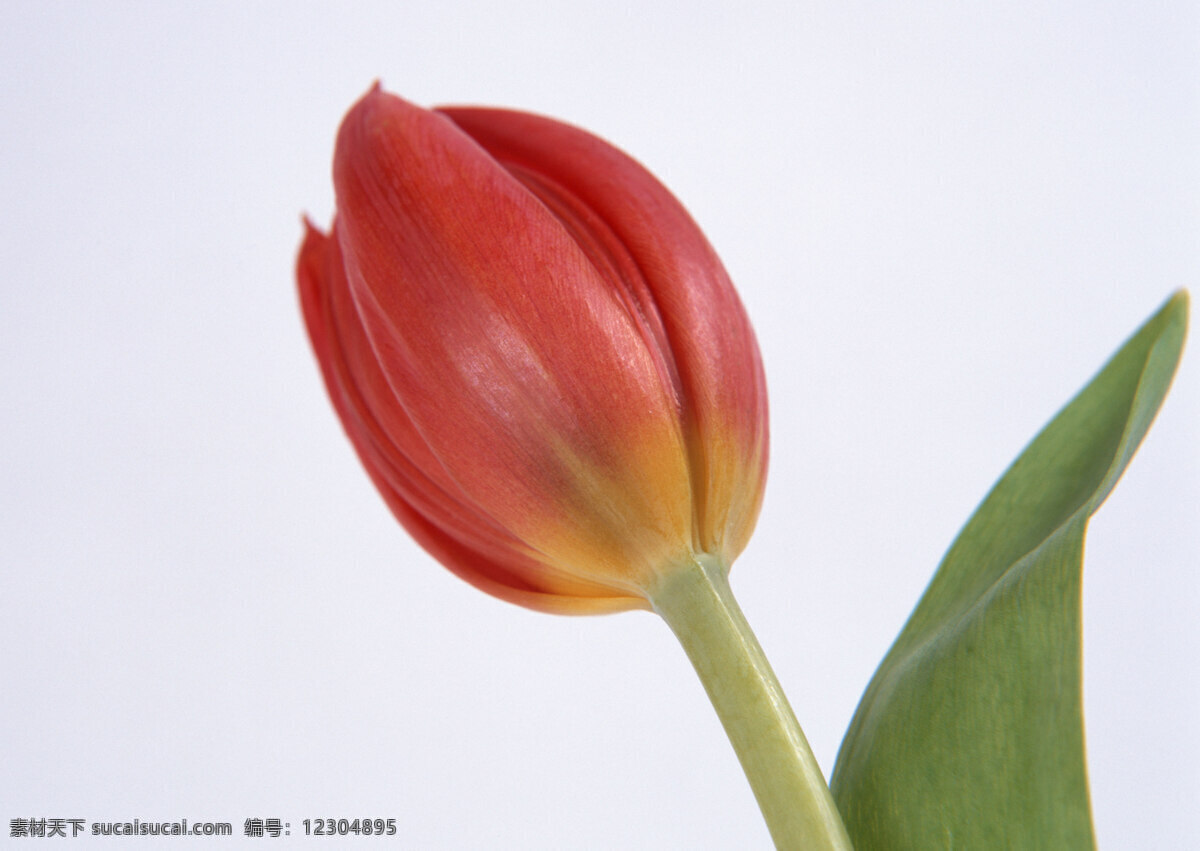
(970, 734)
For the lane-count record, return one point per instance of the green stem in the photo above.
(697, 604)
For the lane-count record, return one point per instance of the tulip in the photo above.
(541, 362)
(546, 372)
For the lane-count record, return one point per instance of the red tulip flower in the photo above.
(537, 355)
(548, 375)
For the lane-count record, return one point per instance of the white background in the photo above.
(942, 217)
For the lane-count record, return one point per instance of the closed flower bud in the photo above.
(538, 357)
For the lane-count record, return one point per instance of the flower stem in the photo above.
(697, 604)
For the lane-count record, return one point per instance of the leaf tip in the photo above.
(1176, 308)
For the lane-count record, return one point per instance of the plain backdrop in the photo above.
(942, 218)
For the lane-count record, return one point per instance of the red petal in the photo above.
(521, 372)
(680, 285)
(442, 522)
